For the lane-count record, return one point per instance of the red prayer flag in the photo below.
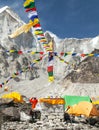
(49, 68)
(83, 55)
(20, 52)
(41, 57)
(37, 25)
(0, 85)
(41, 53)
(41, 34)
(62, 53)
(17, 73)
(30, 9)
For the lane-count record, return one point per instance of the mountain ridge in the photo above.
(40, 86)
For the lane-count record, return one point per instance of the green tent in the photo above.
(71, 100)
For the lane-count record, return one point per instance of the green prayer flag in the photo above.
(65, 54)
(31, 5)
(50, 73)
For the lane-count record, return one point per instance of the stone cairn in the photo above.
(52, 116)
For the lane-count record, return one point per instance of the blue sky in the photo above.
(65, 18)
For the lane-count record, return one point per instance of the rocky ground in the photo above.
(45, 126)
(84, 79)
(18, 117)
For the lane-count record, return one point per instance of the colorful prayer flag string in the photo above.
(32, 14)
(34, 22)
(50, 66)
(74, 54)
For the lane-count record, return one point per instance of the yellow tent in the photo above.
(15, 96)
(83, 108)
(95, 100)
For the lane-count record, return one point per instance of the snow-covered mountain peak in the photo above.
(11, 13)
(9, 22)
(4, 8)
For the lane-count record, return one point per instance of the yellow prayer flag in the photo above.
(45, 45)
(36, 20)
(27, 2)
(25, 28)
(11, 51)
(13, 75)
(61, 60)
(51, 45)
(32, 52)
(43, 40)
(38, 32)
(51, 78)
(4, 82)
(35, 61)
(48, 49)
(91, 54)
(69, 53)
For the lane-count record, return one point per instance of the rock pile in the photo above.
(52, 116)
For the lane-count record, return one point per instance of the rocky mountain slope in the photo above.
(87, 71)
(9, 22)
(11, 62)
(67, 78)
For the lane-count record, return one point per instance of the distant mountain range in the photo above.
(9, 21)
(79, 77)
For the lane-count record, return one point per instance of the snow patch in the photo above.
(95, 43)
(56, 38)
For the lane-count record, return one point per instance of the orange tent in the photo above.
(52, 101)
(83, 108)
